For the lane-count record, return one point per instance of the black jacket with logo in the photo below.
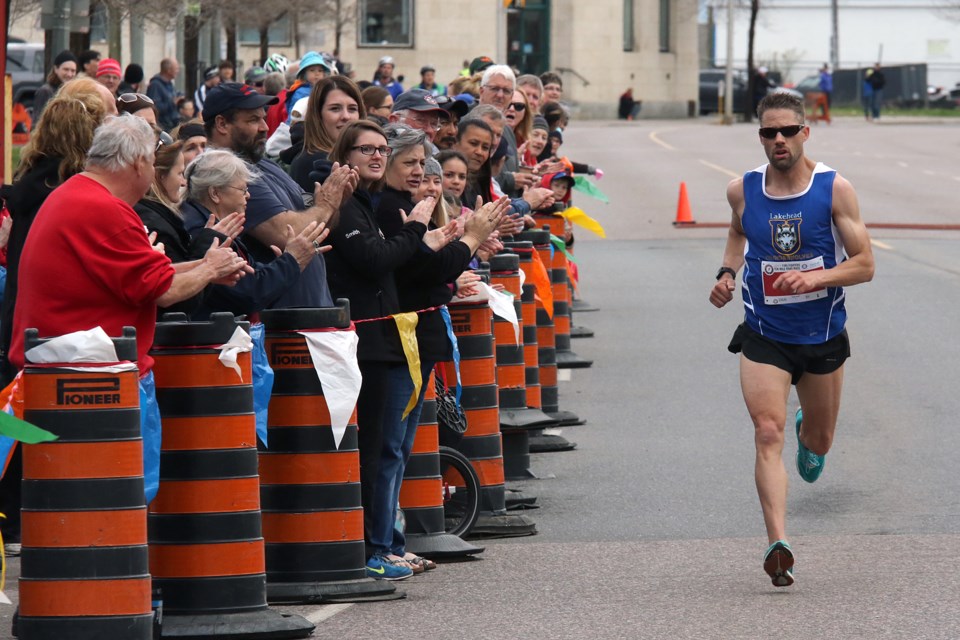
(361, 268)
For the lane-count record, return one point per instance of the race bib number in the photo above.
(772, 270)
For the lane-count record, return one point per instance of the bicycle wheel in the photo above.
(461, 492)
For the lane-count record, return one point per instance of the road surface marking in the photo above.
(902, 164)
(881, 245)
(564, 375)
(720, 169)
(654, 138)
(327, 611)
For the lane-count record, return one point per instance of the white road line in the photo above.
(564, 375)
(881, 245)
(902, 163)
(957, 178)
(655, 139)
(326, 611)
(715, 167)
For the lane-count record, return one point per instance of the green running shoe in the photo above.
(778, 563)
(809, 464)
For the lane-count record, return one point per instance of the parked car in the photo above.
(710, 80)
(810, 84)
(26, 69)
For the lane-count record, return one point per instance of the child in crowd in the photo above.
(313, 68)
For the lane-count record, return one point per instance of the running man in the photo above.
(796, 231)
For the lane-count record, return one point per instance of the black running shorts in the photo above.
(795, 359)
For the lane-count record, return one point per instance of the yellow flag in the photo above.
(577, 216)
(407, 326)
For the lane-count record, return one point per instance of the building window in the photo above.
(628, 39)
(98, 23)
(386, 23)
(278, 34)
(664, 25)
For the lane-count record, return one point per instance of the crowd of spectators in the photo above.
(292, 189)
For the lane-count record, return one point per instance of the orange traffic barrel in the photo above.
(559, 277)
(481, 443)
(310, 487)
(421, 494)
(546, 338)
(84, 568)
(516, 417)
(528, 305)
(206, 546)
(555, 225)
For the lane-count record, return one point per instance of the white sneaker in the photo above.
(11, 549)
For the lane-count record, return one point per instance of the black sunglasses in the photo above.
(518, 106)
(788, 132)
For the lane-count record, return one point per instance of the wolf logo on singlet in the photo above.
(791, 233)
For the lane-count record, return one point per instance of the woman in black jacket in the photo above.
(424, 281)
(361, 268)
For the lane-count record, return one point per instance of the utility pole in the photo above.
(728, 81)
(834, 35)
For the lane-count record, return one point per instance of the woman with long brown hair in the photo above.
(334, 103)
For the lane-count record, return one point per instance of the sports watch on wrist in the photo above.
(723, 270)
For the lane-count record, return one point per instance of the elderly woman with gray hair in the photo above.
(424, 281)
(217, 193)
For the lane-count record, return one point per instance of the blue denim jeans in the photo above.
(398, 436)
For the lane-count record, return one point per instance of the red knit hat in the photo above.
(111, 66)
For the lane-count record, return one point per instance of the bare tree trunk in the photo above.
(338, 26)
(752, 76)
(115, 31)
(264, 41)
(230, 29)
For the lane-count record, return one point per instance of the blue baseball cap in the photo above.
(233, 95)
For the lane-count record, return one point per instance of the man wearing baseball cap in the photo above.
(452, 111)
(211, 78)
(480, 64)
(428, 81)
(234, 118)
(384, 77)
(418, 109)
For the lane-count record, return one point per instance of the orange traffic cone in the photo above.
(683, 207)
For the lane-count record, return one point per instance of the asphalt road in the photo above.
(651, 527)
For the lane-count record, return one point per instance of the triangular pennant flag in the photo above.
(502, 304)
(540, 278)
(583, 185)
(578, 217)
(562, 246)
(15, 428)
(334, 355)
(407, 326)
